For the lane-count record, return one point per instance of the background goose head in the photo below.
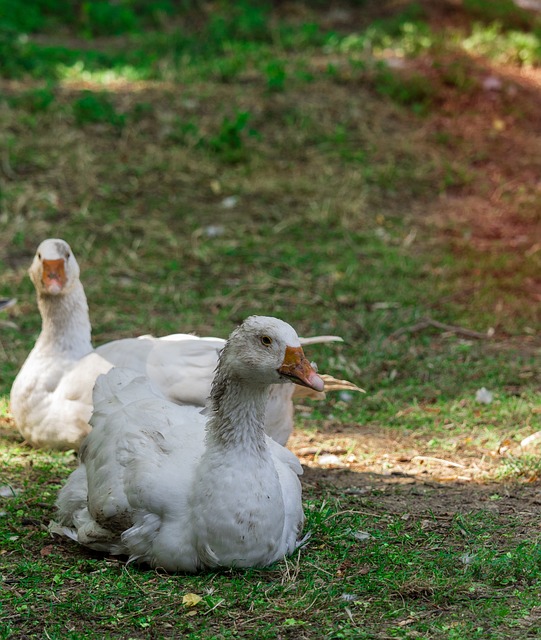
(268, 351)
(54, 270)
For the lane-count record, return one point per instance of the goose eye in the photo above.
(39, 256)
(68, 255)
(266, 341)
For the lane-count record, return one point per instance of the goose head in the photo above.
(54, 269)
(266, 350)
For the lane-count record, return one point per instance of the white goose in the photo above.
(155, 485)
(51, 396)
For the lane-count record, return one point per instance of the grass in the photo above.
(365, 569)
(350, 175)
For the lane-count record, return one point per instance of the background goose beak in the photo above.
(54, 275)
(297, 368)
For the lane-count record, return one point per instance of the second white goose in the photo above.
(51, 398)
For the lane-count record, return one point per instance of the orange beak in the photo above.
(297, 368)
(54, 275)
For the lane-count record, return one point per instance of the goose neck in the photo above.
(238, 414)
(65, 322)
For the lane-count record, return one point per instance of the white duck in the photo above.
(51, 398)
(155, 485)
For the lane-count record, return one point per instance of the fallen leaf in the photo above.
(45, 551)
(191, 599)
(532, 439)
(430, 409)
(404, 623)
(467, 558)
(404, 412)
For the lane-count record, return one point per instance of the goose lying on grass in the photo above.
(176, 489)
(51, 398)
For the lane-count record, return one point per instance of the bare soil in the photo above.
(410, 479)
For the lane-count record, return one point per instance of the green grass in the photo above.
(207, 165)
(364, 570)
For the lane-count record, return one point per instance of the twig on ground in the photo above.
(220, 602)
(448, 463)
(362, 513)
(429, 322)
(137, 586)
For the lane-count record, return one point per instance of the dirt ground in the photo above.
(409, 483)
(412, 496)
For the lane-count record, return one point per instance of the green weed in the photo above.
(229, 142)
(243, 20)
(406, 33)
(229, 67)
(527, 467)
(20, 17)
(276, 75)
(457, 74)
(414, 91)
(102, 18)
(93, 108)
(185, 132)
(34, 100)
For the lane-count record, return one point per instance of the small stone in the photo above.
(484, 396)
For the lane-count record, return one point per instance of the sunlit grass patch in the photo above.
(78, 72)
(515, 47)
